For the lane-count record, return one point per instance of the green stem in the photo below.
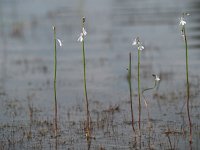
(187, 81)
(130, 91)
(139, 97)
(55, 74)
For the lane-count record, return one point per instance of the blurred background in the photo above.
(26, 49)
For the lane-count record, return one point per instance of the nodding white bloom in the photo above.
(156, 77)
(138, 44)
(59, 42)
(182, 21)
(83, 33)
(80, 39)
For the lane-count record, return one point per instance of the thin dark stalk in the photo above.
(85, 87)
(55, 92)
(130, 91)
(170, 143)
(145, 100)
(139, 97)
(146, 104)
(188, 86)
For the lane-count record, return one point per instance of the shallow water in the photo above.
(26, 59)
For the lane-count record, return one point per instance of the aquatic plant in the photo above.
(130, 91)
(156, 80)
(182, 24)
(81, 39)
(140, 47)
(55, 76)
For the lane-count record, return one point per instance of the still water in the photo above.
(26, 56)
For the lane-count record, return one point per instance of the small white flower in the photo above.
(80, 39)
(59, 42)
(182, 21)
(82, 34)
(140, 47)
(156, 77)
(84, 31)
(135, 42)
(138, 44)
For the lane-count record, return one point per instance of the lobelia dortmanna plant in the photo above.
(55, 76)
(81, 39)
(156, 80)
(140, 47)
(182, 24)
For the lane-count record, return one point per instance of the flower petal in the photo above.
(80, 39)
(140, 47)
(84, 31)
(60, 42)
(134, 42)
(156, 77)
(182, 21)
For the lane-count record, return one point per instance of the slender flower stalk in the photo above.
(55, 76)
(81, 39)
(130, 91)
(140, 47)
(157, 79)
(183, 32)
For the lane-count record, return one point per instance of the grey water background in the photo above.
(27, 46)
(26, 52)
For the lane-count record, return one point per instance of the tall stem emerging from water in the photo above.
(55, 93)
(85, 85)
(187, 81)
(130, 91)
(139, 97)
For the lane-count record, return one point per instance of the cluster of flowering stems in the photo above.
(81, 39)
(183, 33)
(140, 47)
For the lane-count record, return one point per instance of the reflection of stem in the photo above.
(187, 80)
(55, 94)
(31, 119)
(139, 98)
(170, 143)
(85, 88)
(130, 91)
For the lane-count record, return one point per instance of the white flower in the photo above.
(140, 47)
(82, 34)
(80, 39)
(156, 77)
(135, 42)
(84, 31)
(59, 42)
(182, 21)
(138, 44)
